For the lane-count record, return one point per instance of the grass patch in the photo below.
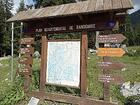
(132, 73)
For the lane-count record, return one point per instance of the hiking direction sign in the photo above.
(27, 50)
(109, 78)
(113, 38)
(26, 59)
(27, 41)
(109, 65)
(110, 52)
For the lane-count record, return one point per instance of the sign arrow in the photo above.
(27, 41)
(111, 65)
(110, 79)
(110, 52)
(26, 60)
(112, 38)
(25, 70)
(27, 50)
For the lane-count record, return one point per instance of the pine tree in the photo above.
(5, 28)
(21, 6)
(2, 24)
(44, 3)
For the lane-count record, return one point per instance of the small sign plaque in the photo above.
(29, 50)
(25, 69)
(111, 52)
(27, 61)
(27, 41)
(112, 79)
(33, 101)
(111, 65)
(113, 38)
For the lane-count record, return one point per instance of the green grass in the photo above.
(4, 75)
(132, 73)
(94, 86)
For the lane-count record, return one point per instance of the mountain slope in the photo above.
(135, 18)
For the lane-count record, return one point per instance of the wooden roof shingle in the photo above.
(89, 6)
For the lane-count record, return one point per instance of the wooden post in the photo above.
(43, 62)
(106, 86)
(84, 52)
(27, 82)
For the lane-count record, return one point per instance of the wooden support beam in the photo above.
(43, 62)
(84, 52)
(69, 99)
(106, 86)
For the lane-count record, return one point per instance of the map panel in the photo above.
(63, 65)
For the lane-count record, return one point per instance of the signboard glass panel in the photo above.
(63, 63)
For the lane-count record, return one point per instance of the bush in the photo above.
(133, 100)
(134, 51)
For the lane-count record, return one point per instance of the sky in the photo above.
(16, 4)
(135, 2)
(136, 6)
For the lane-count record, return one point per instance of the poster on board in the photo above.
(63, 63)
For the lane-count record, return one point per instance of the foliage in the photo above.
(115, 91)
(45, 3)
(14, 93)
(135, 17)
(134, 51)
(21, 6)
(132, 100)
(132, 33)
(5, 13)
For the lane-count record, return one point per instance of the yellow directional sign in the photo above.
(111, 52)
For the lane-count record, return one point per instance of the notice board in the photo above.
(63, 63)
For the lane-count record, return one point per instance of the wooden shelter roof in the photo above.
(83, 7)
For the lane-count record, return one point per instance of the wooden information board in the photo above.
(63, 65)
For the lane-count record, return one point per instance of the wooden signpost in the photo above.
(26, 61)
(106, 65)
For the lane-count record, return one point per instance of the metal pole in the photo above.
(21, 29)
(97, 43)
(12, 51)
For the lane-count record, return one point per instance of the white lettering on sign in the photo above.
(38, 30)
(106, 78)
(104, 63)
(87, 26)
(67, 28)
(71, 28)
(55, 29)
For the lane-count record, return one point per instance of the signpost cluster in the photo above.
(26, 60)
(107, 64)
